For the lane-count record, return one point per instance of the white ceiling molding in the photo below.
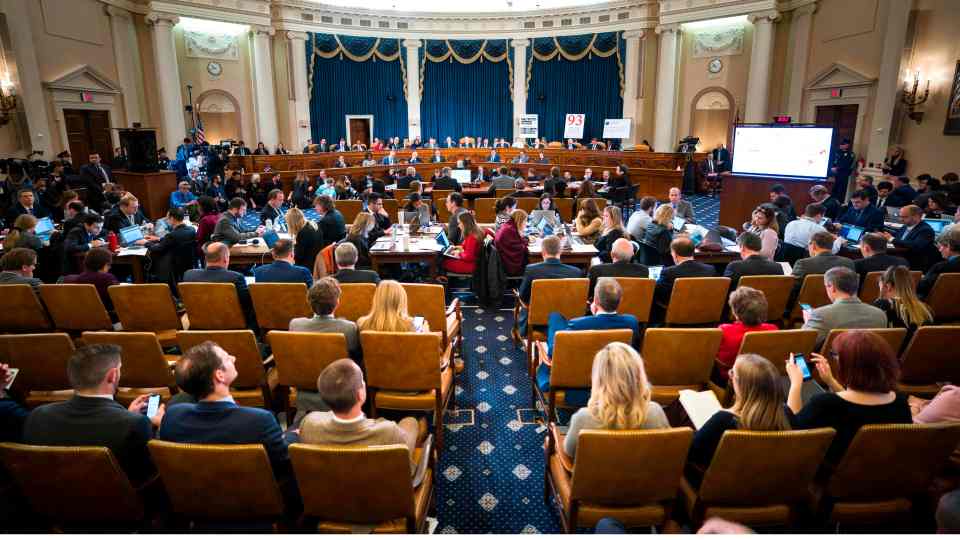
(252, 12)
(685, 11)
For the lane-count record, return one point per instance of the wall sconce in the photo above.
(8, 99)
(912, 99)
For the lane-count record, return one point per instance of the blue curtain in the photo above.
(341, 86)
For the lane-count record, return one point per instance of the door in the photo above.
(843, 119)
(360, 131)
(88, 132)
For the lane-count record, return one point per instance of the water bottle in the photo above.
(268, 225)
(112, 241)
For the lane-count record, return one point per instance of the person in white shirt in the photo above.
(639, 220)
(799, 231)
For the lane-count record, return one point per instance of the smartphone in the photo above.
(153, 404)
(800, 361)
(806, 307)
(13, 375)
(418, 323)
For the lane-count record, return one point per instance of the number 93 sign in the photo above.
(573, 126)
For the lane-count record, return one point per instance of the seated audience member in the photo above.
(899, 301)
(307, 238)
(682, 250)
(554, 184)
(342, 387)
(763, 223)
(520, 185)
(938, 206)
(206, 372)
(749, 309)
(418, 205)
(345, 255)
(12, 414)
(865, 182)
(17, 267)
(863, 214)
(411, 176)
(903, 193)
(273, 209)
(873, 247)
(324, 298)
(126, 214)
(92, 418)
(883, 191)
(783, 212)
(82, 239)
(588, 222)
(820, 260)
(500, 181)
(637, 224)
(545, 214)
(454, 204)
(619, 397)
(182, 197)
(917, 237)
(944, 407)
(72, 217)
(550, 268)
(381, 217)
(681, 208)
(511, 244)
(359, 235)
(446, 182)
(174, 253)
(217, 257)
(331, 220)
(949, 246)
(799, 231)
(611, 232)
(659, 234)
(845, 310)
(23, 234)
(759, 405)
(621, 254)
(209, 216)
(864, 391)
(786, 205)
(821, 196)
(229, 229)
(504, 208)
(468, 252)
(96, 272)
(752, 262)
(25, 205)
(282, 269)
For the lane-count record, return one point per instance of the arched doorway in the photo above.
(220, 113)
(712, 117)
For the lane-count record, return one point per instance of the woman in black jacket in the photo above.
(307, 238)
(612, 231)
(358, 236)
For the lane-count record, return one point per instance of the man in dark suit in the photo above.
(751, 263)
(842, 165)
(682, 250)
(241, 150)
(206, 372)
(390, 159)
(883, 192)
(873, 246)
(621, 254)
(821, 195)
(346, 258)
(92, 418)
(331, 220)
(282, 269)
(820, 260)
(917, 237)
(903, 193)
(949, 246)
(173, 255)
(494, 157)
(520, 185)
(217, 257)
(81, 239)
(273, 210)
(127, 213)
(862, 214)
(550, 268)
(445, 182)
(721, 156)
(96, 172)
(404, 181)
(454, 204)
(26, 204)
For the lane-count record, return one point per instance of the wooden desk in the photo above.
(741, 194)
(152, 189)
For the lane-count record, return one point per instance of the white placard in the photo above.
(573, 126)
(529, 124)
(616, 128)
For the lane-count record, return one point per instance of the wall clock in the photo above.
(715, 66)
(215, 69)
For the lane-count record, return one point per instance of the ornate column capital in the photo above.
(518, 43)
(769, 16)
(302, 36)
(634, 34)
(116, 12)
(806, 9)
(412, 43)
(162, 19)
(667, 28)
(262, 30)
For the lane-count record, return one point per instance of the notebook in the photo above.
(700, 406)
(130, 235)
(445, 247)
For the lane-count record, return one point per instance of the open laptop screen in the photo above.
(44, 227)
(129, 235)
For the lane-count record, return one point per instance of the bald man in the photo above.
(681, 208)
(622, 254)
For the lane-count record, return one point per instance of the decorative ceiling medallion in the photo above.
(718, 42)
(204, 45)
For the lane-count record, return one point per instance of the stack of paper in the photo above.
(700, 406)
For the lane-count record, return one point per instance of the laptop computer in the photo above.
(938, 225)
(270, 238)
(130, 235)
(445, 248)
(44, 228)
(679, 223)
(852, 234)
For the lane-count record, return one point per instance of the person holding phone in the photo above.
(12, 414)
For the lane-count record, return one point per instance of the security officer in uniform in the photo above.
(841, 168)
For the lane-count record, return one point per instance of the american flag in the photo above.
(199, 136)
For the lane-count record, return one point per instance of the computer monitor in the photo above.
(462, 176)
(44, 227)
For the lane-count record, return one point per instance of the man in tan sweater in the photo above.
(342, 387)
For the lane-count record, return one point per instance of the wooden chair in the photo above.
(564, 207)
(356, 300)
(637, 297)
(567, 296)
(400, 194)
(22, 310)
(870, 290)
(301, 356)
(391, 206)
(350, 209)
(254, 384)
(944, 298)
(680, 359)
(777, 291)
(894, 336)
(276, 304)
(759, 478)
(631, 475)
(374, 489)
(74, 485)
(776, 346)
(75, 308)
(697, 301)
(147, 307)
(930, 359)
(218, 482)
(428, 301)
(212, 306)
(484, 209)
(812, 292)
(418, 383)
(528, 204)
(42, 360)
(874, 481)
(572, 363)
(145, 368)
(501, 193)
(439, 196)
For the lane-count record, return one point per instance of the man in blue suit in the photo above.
(282, 269)
(494, 157)
(390, 159)
(917, 237)
(903, 193)
(863, 214)
(606, 300)
(550, 268)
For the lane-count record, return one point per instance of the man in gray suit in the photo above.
(501, 181)
(845, 310)
(820, 260)
(229, 228)
(454, 204)
(681, 208)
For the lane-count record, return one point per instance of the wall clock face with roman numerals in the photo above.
(215, 69)
(715, 66)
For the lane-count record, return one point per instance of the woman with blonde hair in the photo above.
(619, 396)
(613, 230)
(22, 235)
(659, 234)
(899, 301)
(760, 405)
(307, 238)
(588, 221)
(358, 235)
(389, 311)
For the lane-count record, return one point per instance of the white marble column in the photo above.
(301, 98)
(631, 83)
(127, 54)
(29, 88)
(519, 82)
(173, 126)
(413, 87)
(889, 82)
(761, 61)
(664, 138)
(264, 99)
(799, 54)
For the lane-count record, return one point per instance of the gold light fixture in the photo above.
(8, 99)
(912, 98)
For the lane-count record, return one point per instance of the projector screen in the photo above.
(797, 151)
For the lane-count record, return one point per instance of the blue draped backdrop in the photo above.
(341, 86)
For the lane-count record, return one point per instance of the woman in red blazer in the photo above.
(469, 251)
(749, 308)
(511, 245)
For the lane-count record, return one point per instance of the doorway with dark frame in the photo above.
(843, 120)
(88, 132)
(360, 130)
